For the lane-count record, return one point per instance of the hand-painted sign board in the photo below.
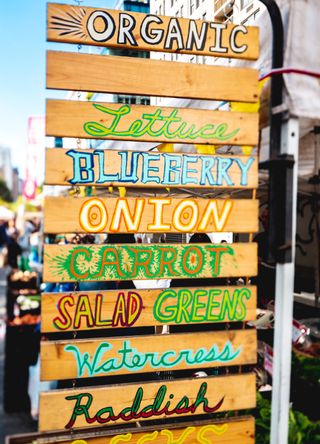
(148, 32)
(149, 215)
(122, 75)
(238, 430)
(94, 407)
(94, 358)
(71, 263)
(61, 312)
(110, 405)
(139, 354)
(149, 169)
(116, 121)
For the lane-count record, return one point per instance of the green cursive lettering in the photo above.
(156, 125)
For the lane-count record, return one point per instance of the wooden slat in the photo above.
(139, 215)
(115, 121)
(220, 393)
(71, 263)
(228, 431)
(94, 358)
(82, 25)
(189, 170)
(132, 75)
(89, 310)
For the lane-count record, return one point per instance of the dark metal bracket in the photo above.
(282, 169)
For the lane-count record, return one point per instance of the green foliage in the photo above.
(306, 369)
(263, 420)
(5, 193)
(301, 429)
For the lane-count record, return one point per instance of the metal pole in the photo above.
(283, 179)
(276, 102)
(284, 304)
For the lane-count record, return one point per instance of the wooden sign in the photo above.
(122, 75)
(149, 169)
(139, 354)
(110, 405)
(71, 263)
(91, 310)
(116, 121)
(148, 32)
(238, 430)
(149, 215)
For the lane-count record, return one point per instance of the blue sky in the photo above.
(22, 69)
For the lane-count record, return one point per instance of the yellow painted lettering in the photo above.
(122, 210)
(119, 316)
(134, 306)
(83, 310)
(219, 218)
(181, 439)
(158, 224)
(64, 321)
(217, 430)
(196, 305)
(229, 305)
(148, 437)
(121, 438)
(98, 309)
(185, 299)
(93, 216)
(212, 305)
(181, 213)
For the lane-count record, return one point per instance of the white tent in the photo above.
(302, 51)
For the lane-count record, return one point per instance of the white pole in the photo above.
(284, 307)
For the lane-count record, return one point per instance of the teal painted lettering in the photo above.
(82, 167)
(130, 359)
(206, 171)
(103, 178)
(172, 166)
(244, 167)
(186, 170)
(147, 168)
(223, 177)
(130, 176)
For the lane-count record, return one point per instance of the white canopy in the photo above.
(302, 51)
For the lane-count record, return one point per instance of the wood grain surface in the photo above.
(139, 215)
(92, 26)
(133, 75)
(110, 405)
(72, 263)
(116, 121)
